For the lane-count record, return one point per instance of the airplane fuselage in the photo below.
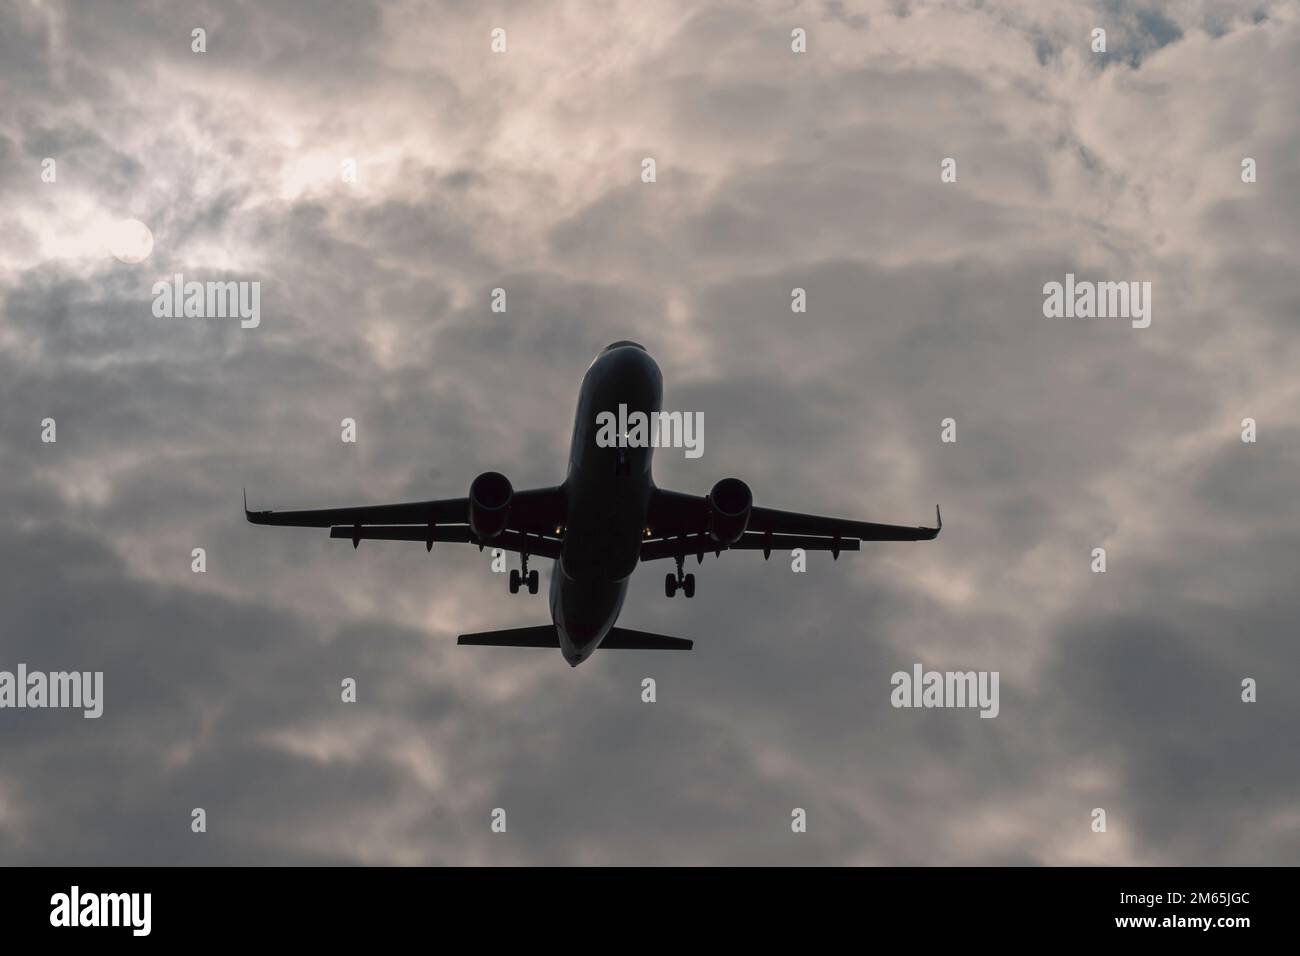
(608, 493)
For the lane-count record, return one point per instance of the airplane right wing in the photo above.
(679, 526)
(771, 521)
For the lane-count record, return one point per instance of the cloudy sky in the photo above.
(775, 170)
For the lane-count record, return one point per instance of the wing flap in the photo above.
(507, 541)
(690, 544)
(458, 533)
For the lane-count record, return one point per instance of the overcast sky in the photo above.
(775, 170)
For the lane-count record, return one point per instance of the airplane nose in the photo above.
(576, 652)
(631, 361)
(583, 635)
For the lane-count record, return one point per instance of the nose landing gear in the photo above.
(523, 578)
(684, 582)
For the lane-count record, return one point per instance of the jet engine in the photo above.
(729, 505)
(489, 504)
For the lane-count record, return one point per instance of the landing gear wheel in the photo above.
(514, 581)
(670, 584)
(532, 582)
(688, 586)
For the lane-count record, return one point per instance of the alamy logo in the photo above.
(922, 688)
(102, 909)
(208, 300)
(37, 689)
(657, 430)
(1101, 300)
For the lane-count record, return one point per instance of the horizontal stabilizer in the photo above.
(620, 638)
(542, 636)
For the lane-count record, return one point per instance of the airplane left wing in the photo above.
(531, 527)
(444, 511)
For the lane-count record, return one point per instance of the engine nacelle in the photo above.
(489, 504)
(729, 505)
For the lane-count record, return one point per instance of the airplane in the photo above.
(599, 524)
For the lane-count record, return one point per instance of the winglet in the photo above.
(938, 519)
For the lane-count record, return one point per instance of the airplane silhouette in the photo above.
(599, 524)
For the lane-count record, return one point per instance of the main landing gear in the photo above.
(686, 582)
(523, 577)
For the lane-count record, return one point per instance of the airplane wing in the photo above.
(769, 520)
(679, 526)
(445, 511)
(534, 516)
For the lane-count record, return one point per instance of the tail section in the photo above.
(618, 638)
(543, 636)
